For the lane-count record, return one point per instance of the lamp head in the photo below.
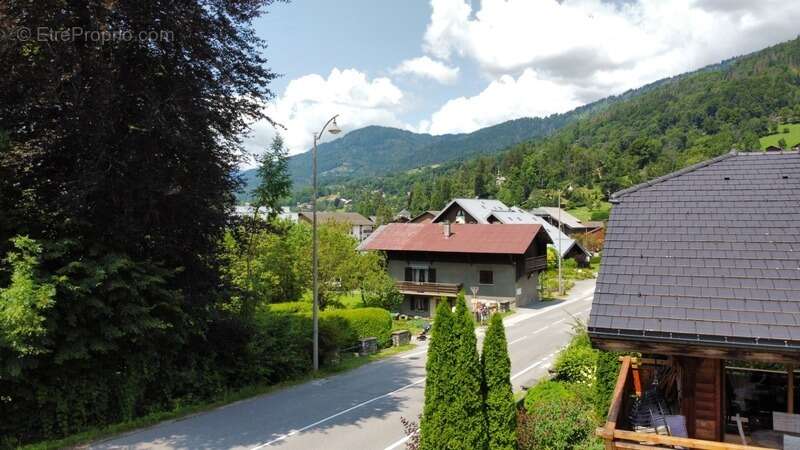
(334, 128)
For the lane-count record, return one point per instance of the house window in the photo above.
(420, 275)
(486, 277)
(420, 303)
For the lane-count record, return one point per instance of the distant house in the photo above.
(467, 210)
(569, 223)
(360, 226)
(701, 275)
(424, 217)
(403, 216)
(431, 261)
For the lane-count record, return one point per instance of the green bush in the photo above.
(555, 424)
(578, 362)
(290, 307)
(365, 322)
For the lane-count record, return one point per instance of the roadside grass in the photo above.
(347, 363)
(415, 326)
(792, 138)
(571, 273)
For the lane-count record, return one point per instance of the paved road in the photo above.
(360, 409)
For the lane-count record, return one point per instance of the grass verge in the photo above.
(347, 363)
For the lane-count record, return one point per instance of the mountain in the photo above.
(639, 136)
(374, 151)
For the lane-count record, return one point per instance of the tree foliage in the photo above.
(434, 431)
(24, 301)
(501, 415)
(117, 159)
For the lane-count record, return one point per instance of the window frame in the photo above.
(480, 277)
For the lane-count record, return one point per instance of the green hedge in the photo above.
(365, 322)
(290, 307)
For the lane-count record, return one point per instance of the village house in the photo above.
(424, 217)
(469, 210)
(494, 265)
(360, 226)
(701, 276)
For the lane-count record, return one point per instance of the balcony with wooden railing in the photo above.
(428, 288)
(615, 435)
(535, 263)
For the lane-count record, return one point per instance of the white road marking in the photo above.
(559, 321)
(366, 402)
(532, 366)
(540, 330)
(517, 340)
(399, 443)
(515, 319)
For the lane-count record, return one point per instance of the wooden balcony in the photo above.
(615, 437)
(535, 264)
(425, 288)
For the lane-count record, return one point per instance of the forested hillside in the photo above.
(672, 125)
(375, 151)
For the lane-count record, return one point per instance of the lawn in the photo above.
(792, 138)
(584, 213)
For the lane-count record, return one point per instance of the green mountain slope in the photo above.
(376, 151)
(668, 126)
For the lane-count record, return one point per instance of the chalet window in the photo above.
(420, 275)
(486, 277)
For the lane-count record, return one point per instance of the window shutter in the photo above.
(432, 275)
(408, 274)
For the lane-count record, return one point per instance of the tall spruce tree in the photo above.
(467, 415)
(433, 429)
(499, 398)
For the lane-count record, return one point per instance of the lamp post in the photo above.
(560, 238)
(333, 129)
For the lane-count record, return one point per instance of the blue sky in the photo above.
(450, 66)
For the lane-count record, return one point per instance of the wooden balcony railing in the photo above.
(535, 263)
(625, 439)
(416, 287)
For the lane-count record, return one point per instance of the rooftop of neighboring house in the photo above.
(462, 238)
(478, 208)
(424, 217)
(560, 240)
(351, 218)
(564, 217)
(706, 255)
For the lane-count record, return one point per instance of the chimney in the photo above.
(446, 229)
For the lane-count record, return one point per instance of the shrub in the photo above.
(499, 397)
(365, 322)
(291, 307)
(578, 362)
(559, 423)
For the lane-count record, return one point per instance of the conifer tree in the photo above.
(467, 415)
(499, 398)
(437, 389)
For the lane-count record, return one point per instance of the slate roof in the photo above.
(476, 207)
(516, 215)
(566, 218)
(464, 238)
(707, 254)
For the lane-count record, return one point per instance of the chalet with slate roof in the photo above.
(701, 276)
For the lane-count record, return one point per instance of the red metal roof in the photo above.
(464, 238)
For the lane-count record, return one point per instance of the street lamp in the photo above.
(333, 128)
(560, 238)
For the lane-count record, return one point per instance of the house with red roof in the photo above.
(494, 265)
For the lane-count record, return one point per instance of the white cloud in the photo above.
(504, 99)
(309, 101)
(424, 66)
(565, 53)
